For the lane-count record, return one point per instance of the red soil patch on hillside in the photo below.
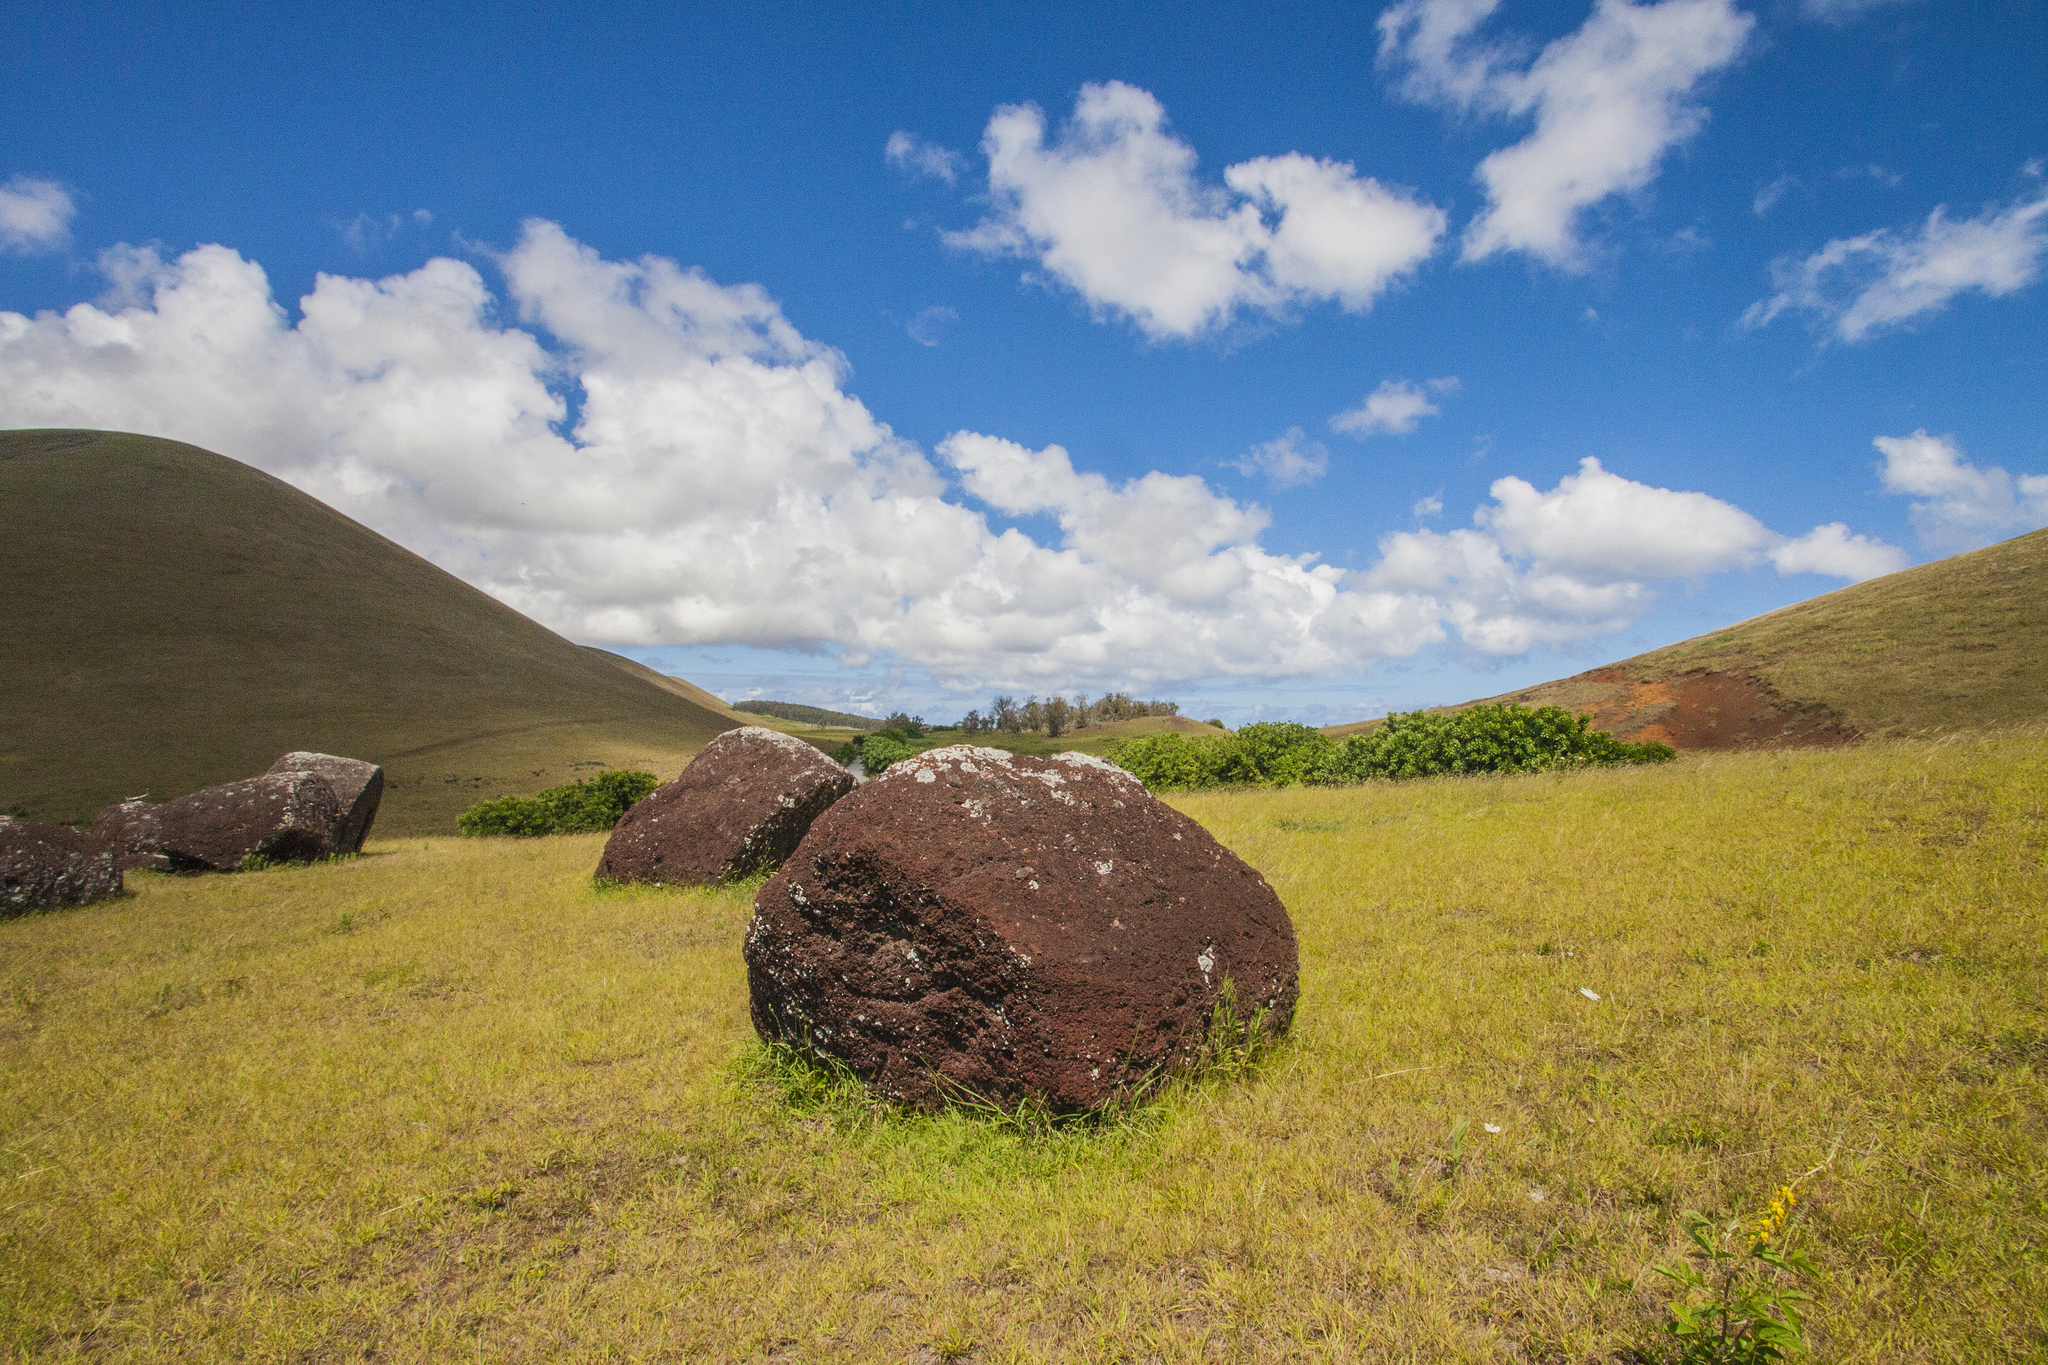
(1698, 710)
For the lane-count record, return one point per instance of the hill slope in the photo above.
(173, 618)
(1957, 646)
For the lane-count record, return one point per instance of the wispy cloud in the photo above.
(1769, 195)
(1840, 12)
(1395, 408)
(1287, 460)
(1855, 287)
(363, 231)
(928, 328)
(913, 154)
(35, 215)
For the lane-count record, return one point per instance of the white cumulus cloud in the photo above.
(1957, 505)
(35, 215)
(719, 484)
(1287, 460)
(1112, 209)
(1396, 408)
(1857, 286)
(1609, 100)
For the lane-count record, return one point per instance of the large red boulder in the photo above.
(279, 817)
(358, 787)
(739, 807)
(47, 865)
(1014, 928)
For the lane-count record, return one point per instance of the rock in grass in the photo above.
(358, 787)
(738, 808)
(279, 817)
(47, 865)
(1014, 928)
(133, 833)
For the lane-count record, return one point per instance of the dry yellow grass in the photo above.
(450, 1101)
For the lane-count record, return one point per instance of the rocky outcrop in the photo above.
(279, 817)
(1013, 928)
(740, 806)
(358, 788)
(42, 866)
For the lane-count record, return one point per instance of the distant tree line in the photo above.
(1056, 715)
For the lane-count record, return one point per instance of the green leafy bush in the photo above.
(582, 807)
(892, 744)
(1500, 738)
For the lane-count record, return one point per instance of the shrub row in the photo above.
(582, 807)
(1500, 738)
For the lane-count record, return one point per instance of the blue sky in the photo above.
(1249, 356)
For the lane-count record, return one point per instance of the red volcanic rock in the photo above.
(1015, 928)
(358, 787)
(739, 807)
(133, 833)
(44, 865)
(284, 817)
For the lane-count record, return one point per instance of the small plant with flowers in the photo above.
(1740, 1302)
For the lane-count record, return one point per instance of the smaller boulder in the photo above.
(46, 865)
(282, 817)
(739, 807)
(358, 787)
(133, 832)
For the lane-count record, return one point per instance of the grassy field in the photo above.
(449, 1101)
(174, 619)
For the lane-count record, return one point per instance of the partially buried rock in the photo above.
(279, 817)
(739, 807)
(1013, 928)
(48, 865)
(358, 788)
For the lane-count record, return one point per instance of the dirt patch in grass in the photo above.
(1703, 709)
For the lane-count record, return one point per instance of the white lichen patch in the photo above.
(927, 775)
(1206, 960)
(1103, 869)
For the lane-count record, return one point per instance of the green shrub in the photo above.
(892, 744)
(592, 804)
(1500, 738)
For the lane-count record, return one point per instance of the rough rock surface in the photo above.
(740, 806)
(284, 817)
(358, 787)
(133, 832)
(1012, 927)
(44, 865)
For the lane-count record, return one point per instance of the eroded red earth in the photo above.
(1698, 710)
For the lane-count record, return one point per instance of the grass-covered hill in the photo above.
(1959, 646)
(172, 618)
(800, 714)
